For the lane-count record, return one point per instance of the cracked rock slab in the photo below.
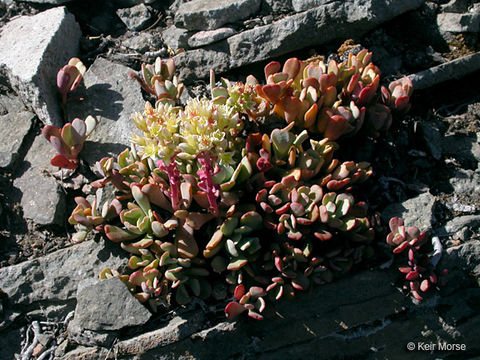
(203, 38)
(212, 14)
(55, 277)
(12, 111)
(32, 50)
(302, 5)
(180, 327)
(112, 299)
(319, 25)
(454, 69)
(112, 97)
(43, 200)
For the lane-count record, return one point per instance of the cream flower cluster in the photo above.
(184, 133)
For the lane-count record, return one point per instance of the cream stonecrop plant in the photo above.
(210, 205)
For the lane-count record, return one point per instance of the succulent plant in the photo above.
(86, 216)
(206, 207)
(160, 80)
(333, 99)
(69, 77)
(234, 246)
(242, 97)
(251, 301)
(419, 272)
(68, 142)
(397, 96)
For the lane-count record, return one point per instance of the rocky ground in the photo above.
(426, 171)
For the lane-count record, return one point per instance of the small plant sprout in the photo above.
(68, 141)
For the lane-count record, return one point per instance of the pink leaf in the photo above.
(233, 309)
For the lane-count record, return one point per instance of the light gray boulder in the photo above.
(212, 14)
(32, 50)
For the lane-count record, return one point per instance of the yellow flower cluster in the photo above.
(201, 126)
(160, 131)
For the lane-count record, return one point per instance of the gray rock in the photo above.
(275, 6)
(43, 200)
(32, 50)
(12, 111)
(112, 299)
(433, 139)
(215, 330)
(126, 3)
(212, 14)
(466, 186)
(356, 305)
(203, 38)
(111, 96)
(302, 5)
(54, 278)
(140, 42)
(417, 211)
(451, 70)
(466, 255)
(458, 23)
(460, 222)
(53, 2)
(177, 329)
(465, 182)
(196, 64)
(456, 6)
(337, 20)
(86, 337)
(86, 353)
(465, 149)
(175, 38)
(136, 17)
(176, 4)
